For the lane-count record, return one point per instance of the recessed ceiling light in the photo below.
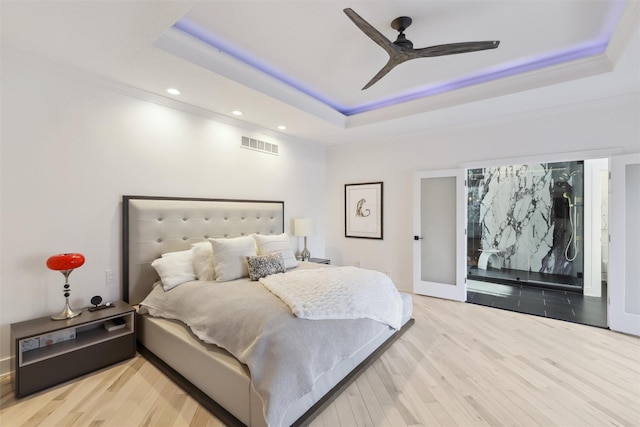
(173, 91)
(282, 127)
(236, 113)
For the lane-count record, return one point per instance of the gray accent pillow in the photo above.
(263, 265)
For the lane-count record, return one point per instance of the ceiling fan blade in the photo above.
(453, 48)
(401, 50)
(371, 32)
(383, 72)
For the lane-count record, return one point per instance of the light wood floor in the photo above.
(460, 364)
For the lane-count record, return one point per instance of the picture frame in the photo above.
(363, 210)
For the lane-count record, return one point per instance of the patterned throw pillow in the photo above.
(264, 265)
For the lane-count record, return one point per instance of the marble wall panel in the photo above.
(515, 209)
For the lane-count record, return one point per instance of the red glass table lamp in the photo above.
(65, 264)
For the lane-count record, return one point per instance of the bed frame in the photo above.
(156, 225)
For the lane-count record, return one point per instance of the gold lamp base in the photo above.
(66, 313)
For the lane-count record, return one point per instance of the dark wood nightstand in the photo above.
(48, 352)
(320, 260)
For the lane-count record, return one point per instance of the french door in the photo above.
(439, 252)
(624, 245)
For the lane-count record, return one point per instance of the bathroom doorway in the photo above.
(531, 234)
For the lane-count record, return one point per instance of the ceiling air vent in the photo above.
(257, 145)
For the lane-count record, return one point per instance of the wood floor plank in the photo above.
(371, 402)
(186, 412)
(356, 400)
(459, 365)
(343, 409)
(138, 389)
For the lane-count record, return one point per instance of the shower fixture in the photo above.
(567, 176)
(568, 197)
(572, 237)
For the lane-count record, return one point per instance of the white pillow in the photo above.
(268, 244)
(175, 269)
(166, 254)
(230, 257)
(203, 261)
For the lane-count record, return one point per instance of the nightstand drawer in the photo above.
(47, 372)
(47, 352)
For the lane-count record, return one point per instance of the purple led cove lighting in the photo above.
(593, 47)
(199, 33)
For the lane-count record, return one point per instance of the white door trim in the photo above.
(455, 291)
(623, 284)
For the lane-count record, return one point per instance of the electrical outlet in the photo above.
(109, 276)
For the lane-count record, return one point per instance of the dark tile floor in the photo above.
(556, 304)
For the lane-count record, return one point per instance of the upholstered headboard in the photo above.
(155, 225)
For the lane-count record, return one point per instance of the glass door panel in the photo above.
(439, 242)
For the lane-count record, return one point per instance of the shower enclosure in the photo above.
(525, 225)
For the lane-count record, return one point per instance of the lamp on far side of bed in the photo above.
(303, 227)
(65, 264)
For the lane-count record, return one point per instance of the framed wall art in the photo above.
(363, 210)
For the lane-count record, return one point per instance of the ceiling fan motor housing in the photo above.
(403, 42)
(400, 24)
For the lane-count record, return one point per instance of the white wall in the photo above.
(71, 150)
(609, 120)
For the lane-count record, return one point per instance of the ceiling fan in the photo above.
(402, 49)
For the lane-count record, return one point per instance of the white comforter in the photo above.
(285, 354)
(338, 293)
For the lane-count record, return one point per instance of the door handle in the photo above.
(418, 237)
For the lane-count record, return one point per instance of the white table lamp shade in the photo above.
(302, 227)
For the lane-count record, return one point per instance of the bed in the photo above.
(153, 226)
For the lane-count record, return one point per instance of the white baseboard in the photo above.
(6, 366)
